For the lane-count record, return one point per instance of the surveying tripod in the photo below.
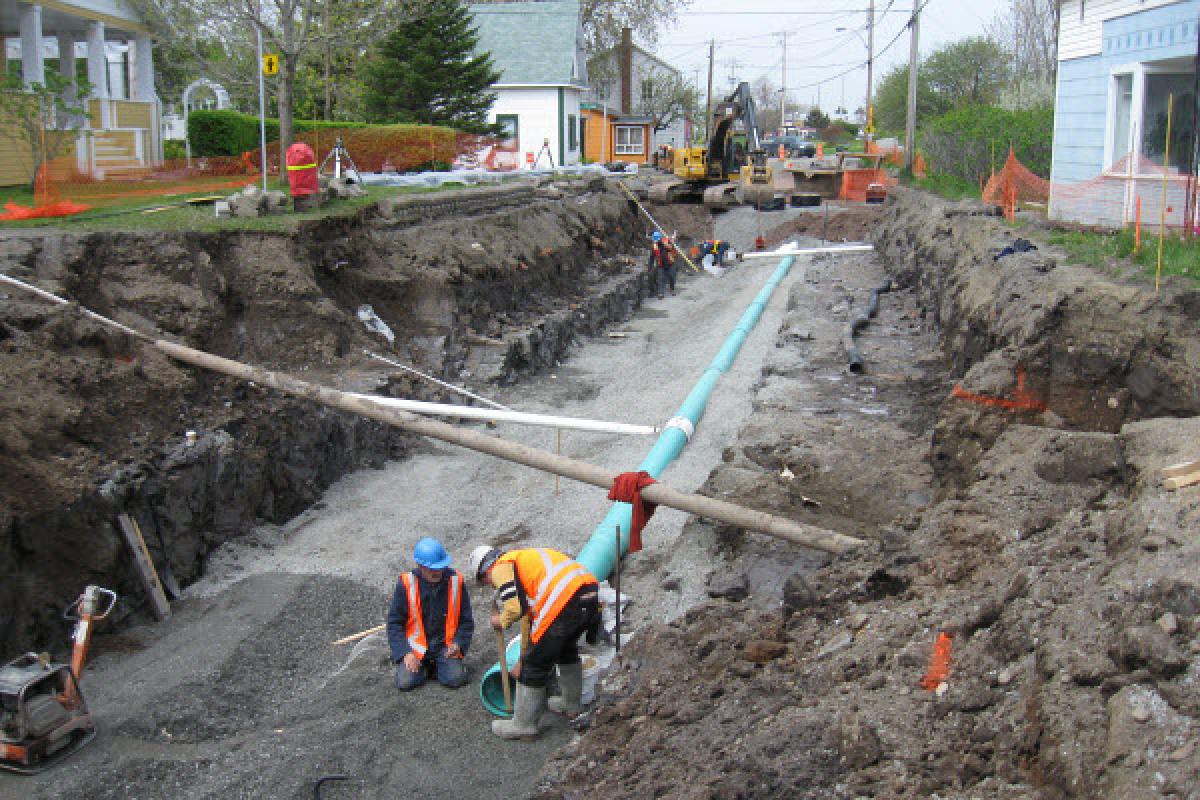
(339, 152)
(545, 149)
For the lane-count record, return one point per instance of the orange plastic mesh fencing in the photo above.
(400, 149)
(894, 157)
(1113, 198)
(62, 188)
(855, 183)
(1015, 184)
(939, 663)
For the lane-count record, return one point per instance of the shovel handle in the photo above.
(504, 670)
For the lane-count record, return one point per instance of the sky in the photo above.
(820, 58)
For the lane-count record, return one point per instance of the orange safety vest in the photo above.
(547, 579)
(414, 629)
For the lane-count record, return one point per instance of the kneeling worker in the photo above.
(429, 625)
(560, 598)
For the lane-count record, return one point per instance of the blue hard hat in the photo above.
(430, 554)
(656, 236)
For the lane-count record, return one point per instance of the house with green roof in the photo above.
(538, 49)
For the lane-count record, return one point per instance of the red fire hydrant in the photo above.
(301, 170)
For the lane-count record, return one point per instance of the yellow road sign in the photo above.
(270, 64)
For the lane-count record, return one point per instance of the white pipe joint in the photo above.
(684, 424)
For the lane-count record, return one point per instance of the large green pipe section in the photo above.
(599, 554)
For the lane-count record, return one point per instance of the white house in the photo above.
(538, 49)
(1120, 62)
(121, 129)
(624, 79)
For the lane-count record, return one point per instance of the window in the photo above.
(1154, 118)
(648, 94)
(572, 133)
(631, 140)
(1137, 121)
(512, 130)
(1122, 111)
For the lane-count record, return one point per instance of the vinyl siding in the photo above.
(1082, 37)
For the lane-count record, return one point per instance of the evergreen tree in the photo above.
(427, 71)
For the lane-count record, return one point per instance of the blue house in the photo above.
(1120, 63)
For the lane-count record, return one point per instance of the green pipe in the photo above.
(598, 555)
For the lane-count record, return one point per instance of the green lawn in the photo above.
(1099, 249)
(948, 186)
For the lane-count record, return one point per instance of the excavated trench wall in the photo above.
(477, 285)
(1032, 339)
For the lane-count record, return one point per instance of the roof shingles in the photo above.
(532, 43)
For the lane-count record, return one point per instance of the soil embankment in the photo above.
(477, 285)
(1034, 533)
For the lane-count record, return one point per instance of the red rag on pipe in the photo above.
(627, 488)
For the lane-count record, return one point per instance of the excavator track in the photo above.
(722, 196)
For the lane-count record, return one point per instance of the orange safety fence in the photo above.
(1133, 190)
(894, 157)
(61, 188)
(855, 183)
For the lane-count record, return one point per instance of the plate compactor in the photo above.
(43, 716)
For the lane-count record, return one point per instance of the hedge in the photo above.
(231, 133)
(963, 142)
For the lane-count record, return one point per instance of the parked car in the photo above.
(794, 146)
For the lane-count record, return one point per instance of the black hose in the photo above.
(853, 357)
(326, 779)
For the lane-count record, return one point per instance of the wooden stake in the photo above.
(354, 637)
(145, 567)
(1162, 214)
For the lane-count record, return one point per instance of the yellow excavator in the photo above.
(710, 174)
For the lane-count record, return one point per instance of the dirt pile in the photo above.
(486, 287)
(1061, 571)
(831, 222)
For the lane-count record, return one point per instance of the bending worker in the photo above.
(429, 625)
(559, 596)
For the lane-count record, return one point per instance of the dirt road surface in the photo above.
(240, 694)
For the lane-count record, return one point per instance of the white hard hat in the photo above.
(482, 557)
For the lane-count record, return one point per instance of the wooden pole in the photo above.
(656, 225)
(660, 493)
(354, 637)
(1162, 211)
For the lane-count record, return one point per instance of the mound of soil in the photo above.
(1031, 630)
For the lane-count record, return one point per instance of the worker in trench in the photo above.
(429, 624)
(662, 263)
(559, 599)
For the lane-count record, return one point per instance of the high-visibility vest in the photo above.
(547, 580)
(414, 629)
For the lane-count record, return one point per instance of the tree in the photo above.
(291, 29)
(816, 118)
(604, 19)
(971, 71)
(666, 97)
(426, 70)
(1028, 32)
(37, 116)
(891, 99)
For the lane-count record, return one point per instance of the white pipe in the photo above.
(468, 412)
(432, 379)
(784, 252)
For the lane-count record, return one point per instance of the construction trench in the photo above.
(1000, 453)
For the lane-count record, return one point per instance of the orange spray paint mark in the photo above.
(939, 663)
(1022, 399)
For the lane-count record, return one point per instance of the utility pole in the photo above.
(783, 91)
(870, 67)
(262, 109)
(712, 46)
(910, 122)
